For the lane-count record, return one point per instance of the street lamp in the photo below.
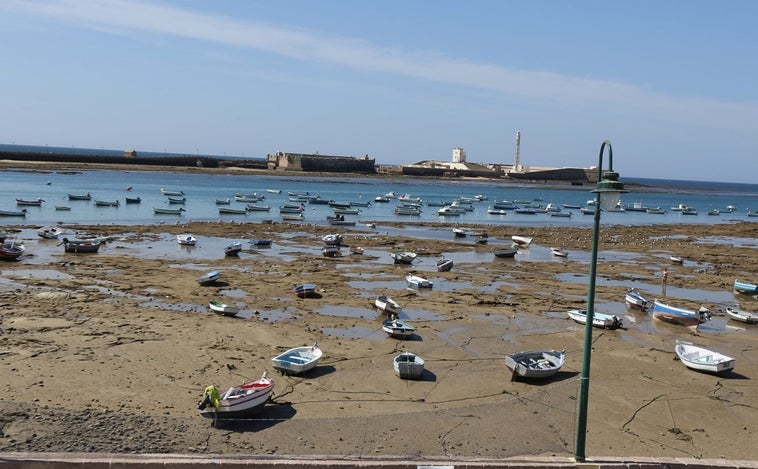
(608, 191)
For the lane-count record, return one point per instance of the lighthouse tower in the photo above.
(517, 158)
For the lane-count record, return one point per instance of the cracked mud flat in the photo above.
(111, 352)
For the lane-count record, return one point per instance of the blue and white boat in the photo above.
(745, 288)
(208, 279)
(297, 360)
(305, 290)
(680, 316)
(416, 282)
(634, 299)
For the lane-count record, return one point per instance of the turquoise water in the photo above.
(202, 189)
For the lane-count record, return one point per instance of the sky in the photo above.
(672, 85)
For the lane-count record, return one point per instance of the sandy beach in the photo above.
(111, 352)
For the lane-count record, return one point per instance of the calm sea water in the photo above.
(202, 189)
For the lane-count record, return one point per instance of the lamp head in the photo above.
(609, 190)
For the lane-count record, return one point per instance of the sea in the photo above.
(726, 202)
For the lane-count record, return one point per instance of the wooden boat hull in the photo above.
(702, 359)
(408, 366)
(397, 328)
(504, 253)
(387, 305)
(678, 316)
(239, 401)
(535, 364)
(297, 360)
(81, 246)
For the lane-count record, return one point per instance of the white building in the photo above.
(459, 155)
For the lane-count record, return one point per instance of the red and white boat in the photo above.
(238, 401)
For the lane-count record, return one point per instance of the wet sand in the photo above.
(112, 353)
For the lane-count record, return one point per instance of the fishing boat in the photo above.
(676, 259)
(86, 196)
(680, 316)
(521, 241)
(634, 299)
(559, 252)
(293, 217)
(231, 211)
(404, 257)
(237, 402)
(81, 246)
(13, 213)
(186, 239)
(173, 193)
(397, 328)
(168, 211)
(332, 239)
(50, 232)
(133, 200)
(444, 264)
(176, 200)
(274, 191)
(601, 320)
(226, 201)
(745, 288)
(61, 208)
(34, 202)
(387, 305)
(535, 364)
(208, 279)
(257, 208)
(11, 250)
(305, 290)
(504, 252)
(703, 359)
(408, 366)
(107, 203)
(416, 282)
(331, 250)
(747, 317)
(298, 360)
(233, 249)
(223, 308)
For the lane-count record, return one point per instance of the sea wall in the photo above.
(320, 163)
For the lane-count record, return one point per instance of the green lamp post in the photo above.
(608, 191)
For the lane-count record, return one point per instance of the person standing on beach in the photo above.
(664, 279)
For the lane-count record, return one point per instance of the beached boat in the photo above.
(387, 305)
(680, 316)
(408, 365)
(81, 246)
(233, 249)
(676, 259)
(703, 359)
(745, 288)
(521, 241)
(133, 200)
(504, 252)
(168, 211)
(601, 320)
(397, 328)
(634, 299)
(416, 282)
(535, 364)
(11, 250)
(298, 360)
(747, 317)
(209, 279)
(332, 239)
(356, 250)
(404, 257)
(336, 222)
(559, 252)
(50, 232)
(223, 308)
(34, 202)
(86, 196)
(172, 193)
(231, 211)
(107, 203)
(444, 264)
(186, 239)
(238, 401)
(261, 243)
(331, 250)
(305, 290)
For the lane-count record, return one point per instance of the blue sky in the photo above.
(671, 84)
